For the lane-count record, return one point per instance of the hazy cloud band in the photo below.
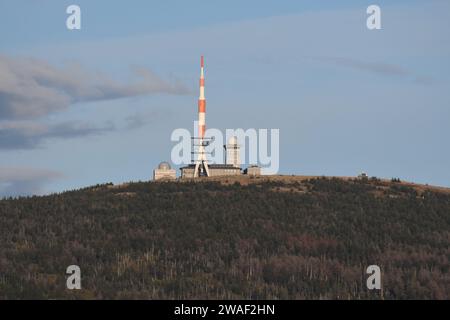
(30, 88)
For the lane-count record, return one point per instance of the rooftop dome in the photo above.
(233, 140)
(164, 165)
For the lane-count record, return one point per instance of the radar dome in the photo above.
(164, 166)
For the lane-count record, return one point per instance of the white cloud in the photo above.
(20, 181)
(30, 88)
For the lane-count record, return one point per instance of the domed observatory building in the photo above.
(164, 171)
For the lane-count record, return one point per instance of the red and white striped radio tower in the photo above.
(201, 165)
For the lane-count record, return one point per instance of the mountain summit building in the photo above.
(200, 166)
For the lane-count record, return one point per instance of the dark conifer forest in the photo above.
(266, 239)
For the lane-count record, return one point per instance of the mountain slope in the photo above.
(251, 238)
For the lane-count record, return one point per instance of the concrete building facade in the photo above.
(253, 170)
(215, 170)
(164, 171)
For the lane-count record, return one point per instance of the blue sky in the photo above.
(97, 105)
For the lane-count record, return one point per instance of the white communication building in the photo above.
(233, 153)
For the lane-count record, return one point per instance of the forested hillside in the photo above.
(309, 239)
